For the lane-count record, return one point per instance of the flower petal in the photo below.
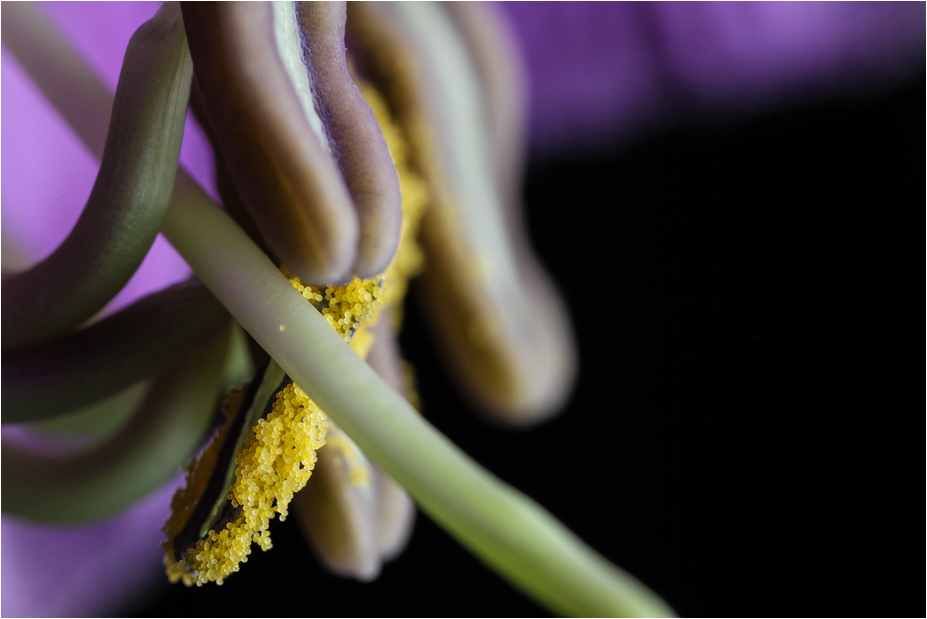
(83, 570)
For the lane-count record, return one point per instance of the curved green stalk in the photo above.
(99, 421)
(507, 530)
(124, 212)
(171, 423)
(109, 355)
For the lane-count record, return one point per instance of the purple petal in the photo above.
(601, 71)
(83, 570)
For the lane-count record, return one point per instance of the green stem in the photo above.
(109, 355)
(124, 212)
(507, 530)
(171, 423)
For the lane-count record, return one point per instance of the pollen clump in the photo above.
(276, 461)
(353, 308)
(279, 455)
(345, 308)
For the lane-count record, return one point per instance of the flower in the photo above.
(143, 137)
(5, 524)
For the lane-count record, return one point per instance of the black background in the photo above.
(743, 437)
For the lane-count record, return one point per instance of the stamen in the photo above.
(277, 460)
(338, 510)
(284, 176)
(357, 143)
(498, 317)
(214, 519)
(302, 148)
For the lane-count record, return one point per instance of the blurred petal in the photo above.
(337, 510)
(606, 71)
(496, 313)
(82, 570)
(745, 54)
(58, 73)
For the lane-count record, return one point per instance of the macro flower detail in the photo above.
(291, 200)
(275, 461)
(301, 146)
(273, 430)
(320, 214)
(343, 151)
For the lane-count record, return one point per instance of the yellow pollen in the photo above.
(264, 485)
(279, 456)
